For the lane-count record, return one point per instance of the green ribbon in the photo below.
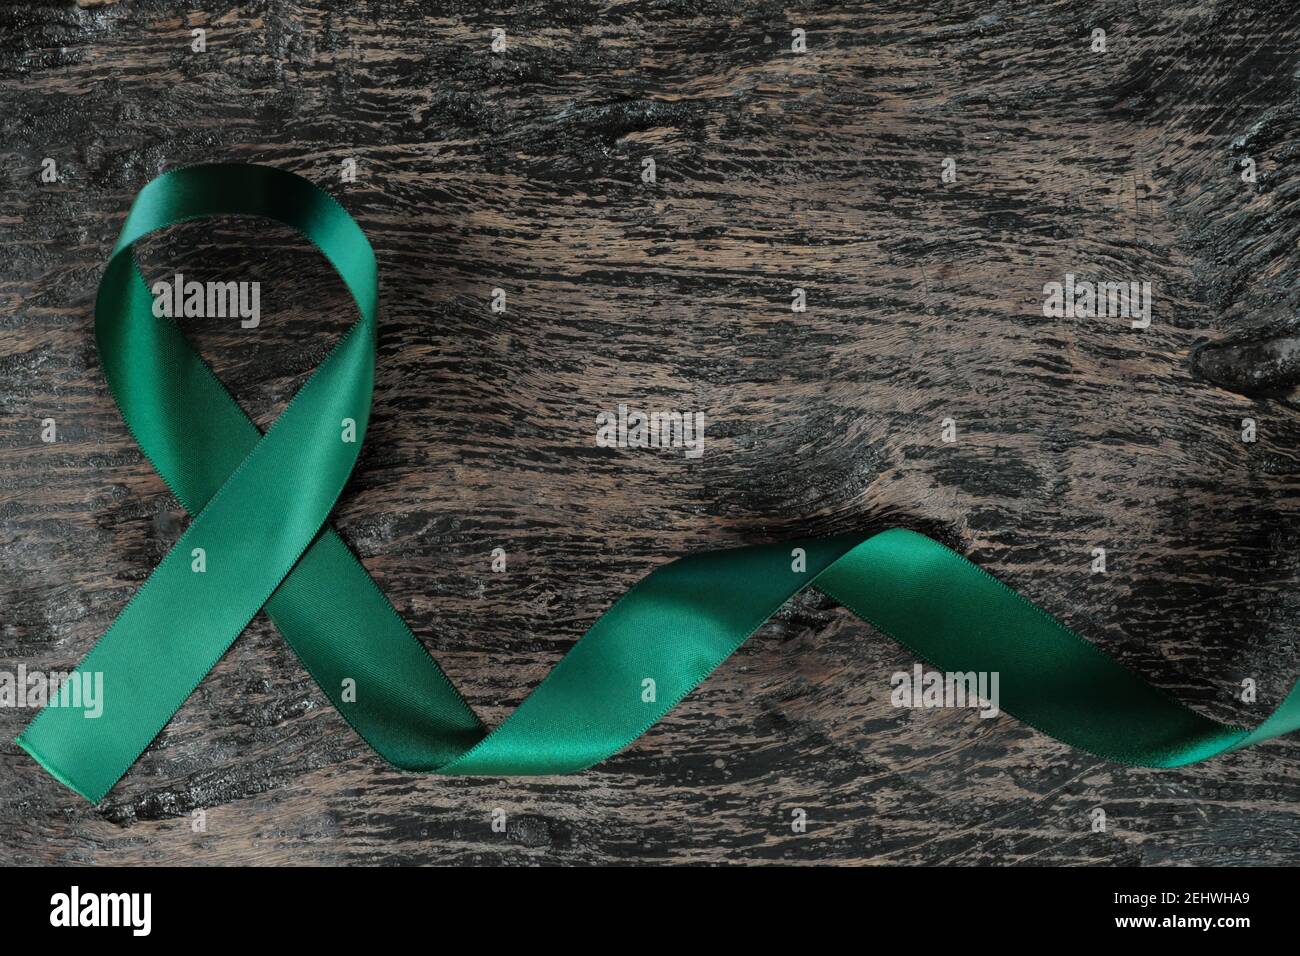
(260, 504)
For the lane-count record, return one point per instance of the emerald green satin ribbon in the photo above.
(260, 504)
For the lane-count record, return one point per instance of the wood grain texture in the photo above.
(522, 170)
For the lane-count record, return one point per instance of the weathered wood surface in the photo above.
(776, 170)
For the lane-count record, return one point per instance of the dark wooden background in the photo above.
(775, 170)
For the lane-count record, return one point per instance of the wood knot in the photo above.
(1259, 361)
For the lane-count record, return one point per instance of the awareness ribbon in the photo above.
(260, 504)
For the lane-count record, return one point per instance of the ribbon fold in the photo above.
(260, 504)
